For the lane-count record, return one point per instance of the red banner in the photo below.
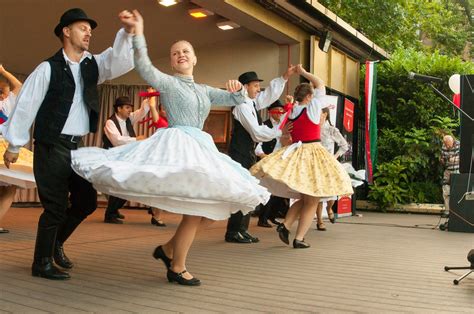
(344, 205)
(348, 120)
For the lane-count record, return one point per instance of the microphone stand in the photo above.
(450, 101)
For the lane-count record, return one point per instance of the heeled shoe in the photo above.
(119, 215)
(283, 233)
(332, 218)
(157, 223)
(321, 226)
(297, 244)
(160, 254)
(178, 277)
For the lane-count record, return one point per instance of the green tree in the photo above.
(443, 25)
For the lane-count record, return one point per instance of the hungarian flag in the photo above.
(370, 119)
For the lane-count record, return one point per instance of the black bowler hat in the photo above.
(122, 101)
(276, 104)
(248, 77)
(71, 16)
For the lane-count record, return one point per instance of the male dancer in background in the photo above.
(275, 204)
(118, 130)
(247, 131)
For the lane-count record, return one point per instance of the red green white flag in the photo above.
(370, 119)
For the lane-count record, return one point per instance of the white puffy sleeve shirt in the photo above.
(247, 116)
(112, 62)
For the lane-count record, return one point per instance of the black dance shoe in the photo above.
(45, 268)
(297, 244)
(178, 277)
(264, 224)
(237, 238)
(247, 235)
(283, 233)
(2, 230)
(332, 217)
(157, 223)
(60, 257)
(160, 254)
(113, 220)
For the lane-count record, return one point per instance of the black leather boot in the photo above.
(60, 257)
(64, 233)
(43, 265)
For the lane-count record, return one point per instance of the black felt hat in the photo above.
(276, 104)
(248, 77)
(122, 101)
(71, 16)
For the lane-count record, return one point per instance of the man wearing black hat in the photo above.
(118, 131)
(275, 204)
(247, 131)
(61, 96)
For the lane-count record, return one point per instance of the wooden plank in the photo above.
(375, 263)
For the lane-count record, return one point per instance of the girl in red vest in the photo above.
(304, 170)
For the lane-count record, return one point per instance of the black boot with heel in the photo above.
(43, 265)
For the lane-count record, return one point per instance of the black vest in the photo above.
(268, 147)
(54, 110)
(242, 146)
(128, 124)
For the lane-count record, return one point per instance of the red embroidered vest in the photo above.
(304, 129)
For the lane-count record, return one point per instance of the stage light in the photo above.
(227, 25)
(199, 13)
(167, 3)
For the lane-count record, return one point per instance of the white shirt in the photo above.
(118, 138)
(331, 135)
(247, 116)
(314, 107)
(259, 149)
(112, 62)
(7, 105)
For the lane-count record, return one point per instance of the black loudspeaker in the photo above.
(461, 214)
(466, 162)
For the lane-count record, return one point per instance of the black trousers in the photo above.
(277, 207)
(58, 184)
(113, 205)
(239, 222)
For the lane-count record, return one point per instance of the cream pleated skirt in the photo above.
(303, 168)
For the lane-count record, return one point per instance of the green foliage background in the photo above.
(411, 117)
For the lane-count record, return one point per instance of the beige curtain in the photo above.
(107, 95)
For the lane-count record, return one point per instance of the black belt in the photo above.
(71, 138)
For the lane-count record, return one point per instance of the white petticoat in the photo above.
(177, 169)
